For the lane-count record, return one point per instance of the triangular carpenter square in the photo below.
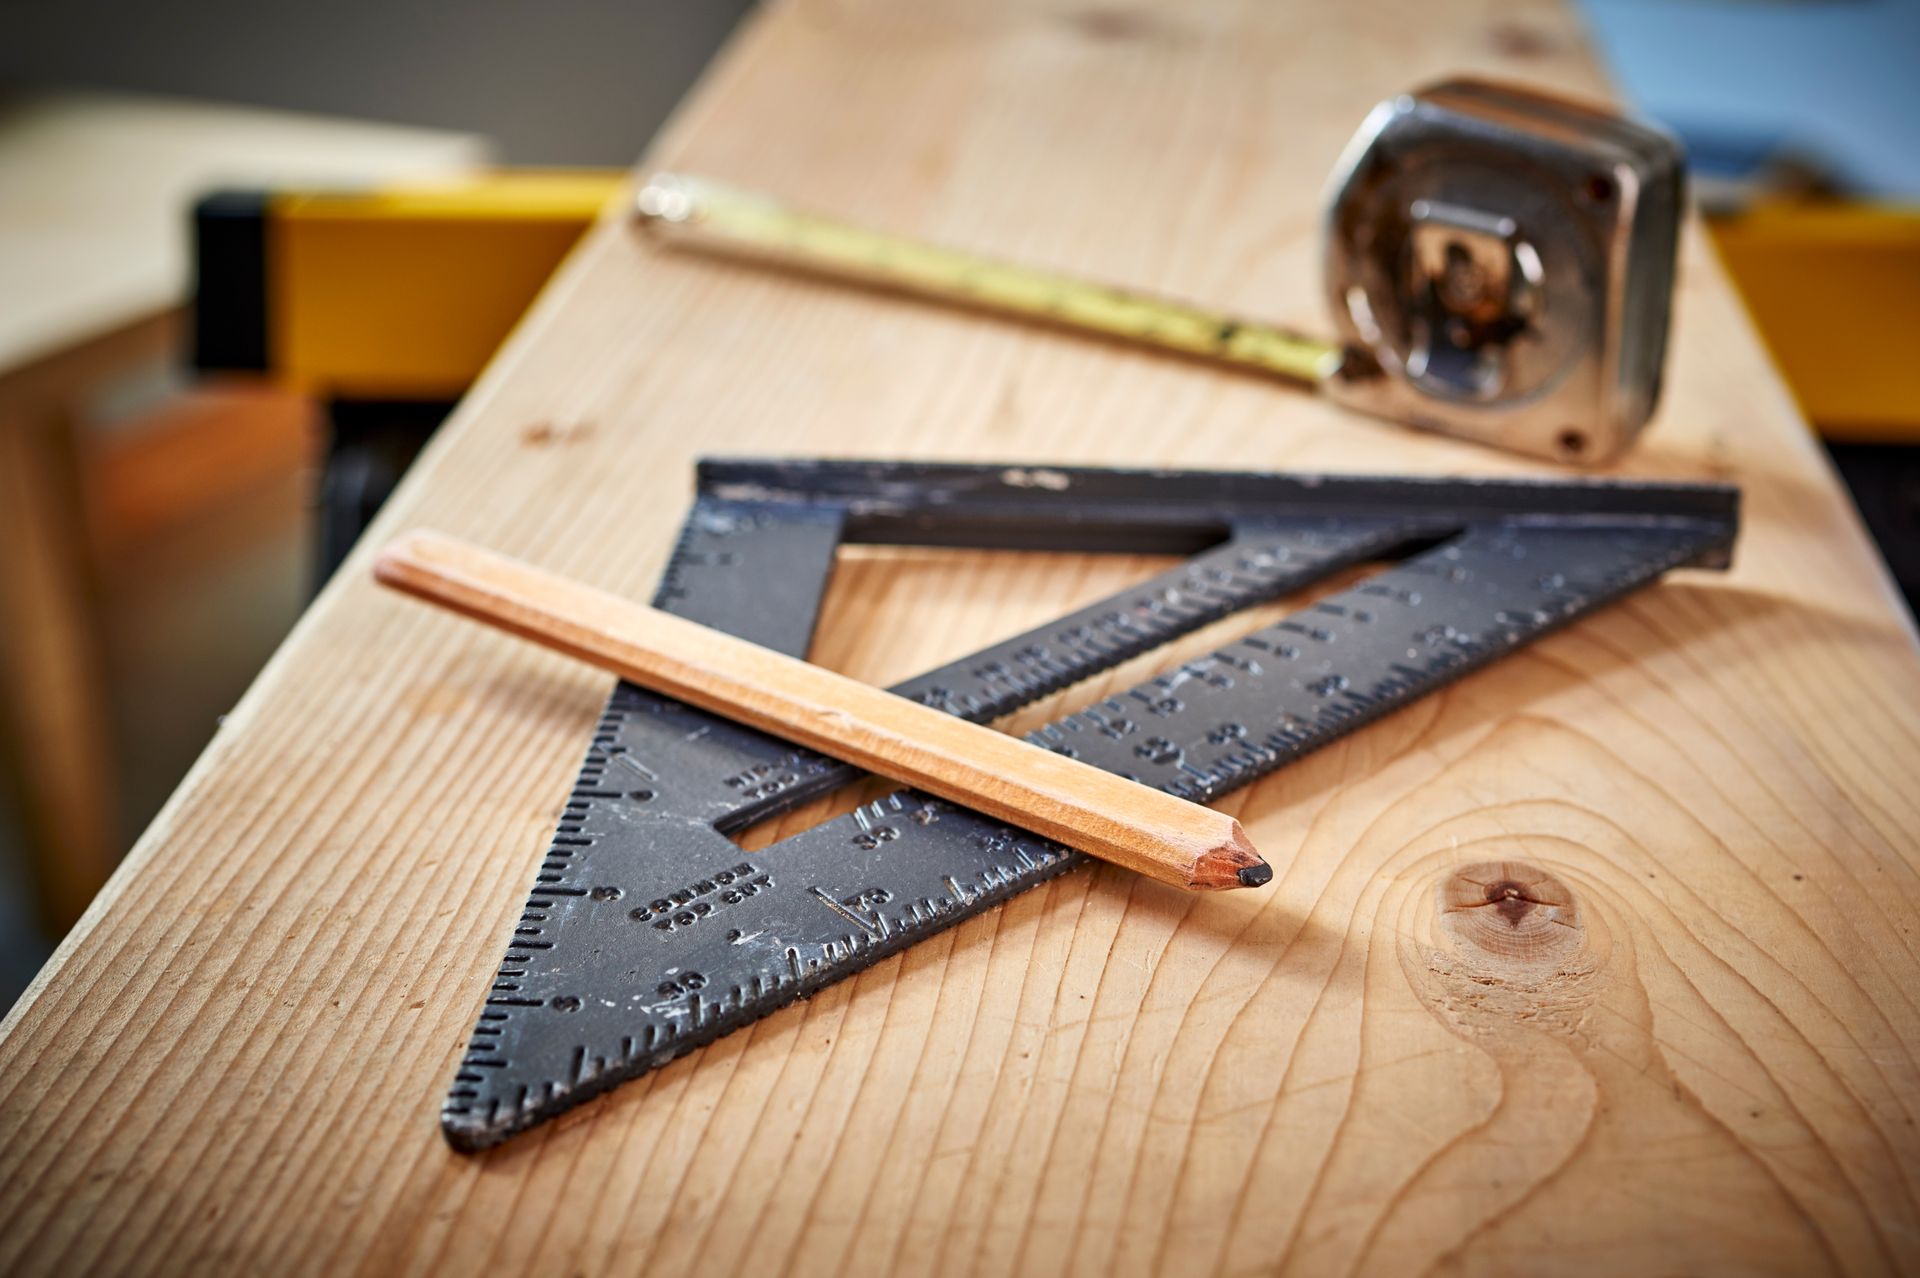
(649, 932)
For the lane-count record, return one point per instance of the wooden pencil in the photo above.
(1070, 802)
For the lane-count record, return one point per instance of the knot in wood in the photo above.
(1112, 24)
(1512, 914)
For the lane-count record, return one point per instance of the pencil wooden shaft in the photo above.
(1059, 798)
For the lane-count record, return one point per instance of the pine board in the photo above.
(1686, 1045)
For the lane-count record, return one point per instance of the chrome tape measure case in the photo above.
(1500, 264)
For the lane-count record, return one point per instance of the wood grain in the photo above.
(1149, 832)
(1692, 1051)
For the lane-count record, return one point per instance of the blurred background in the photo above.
(193, 429)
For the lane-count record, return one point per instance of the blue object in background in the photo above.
(1836, 82)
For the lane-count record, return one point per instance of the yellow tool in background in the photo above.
(1834, 288)
(394, 293)
(382, 305)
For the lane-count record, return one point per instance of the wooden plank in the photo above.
(1679, 1035)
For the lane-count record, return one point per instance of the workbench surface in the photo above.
(1702, 1057)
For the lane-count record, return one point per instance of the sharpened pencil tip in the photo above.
(1234, 863)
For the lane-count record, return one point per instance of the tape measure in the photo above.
(757, 224)
(1499, 264)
